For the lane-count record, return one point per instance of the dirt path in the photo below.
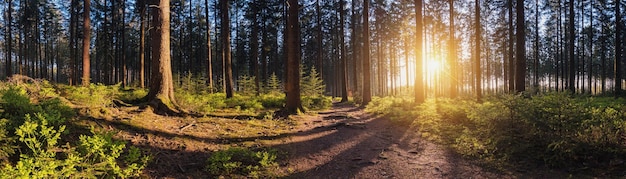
(346, 142)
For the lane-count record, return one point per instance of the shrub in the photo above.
(316, 102)
(97, 155)
(96, 95)
(272, 100)
(16, 105)
(7, 147)
(242, 162)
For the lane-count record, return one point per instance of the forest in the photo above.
(312, 89)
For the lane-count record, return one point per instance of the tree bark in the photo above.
(161, 94)
(420, 91)
(570, 49)
(344, 71)
(617, 67)
(208, 48)
(86, 41)
(367, 91)
(477, 69)
(292, 85)
(9, 40)
(226, 49)
(452, 54)
(520, 48)
(510, 51)
(142, 43)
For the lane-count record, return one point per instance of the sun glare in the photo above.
(432, 66)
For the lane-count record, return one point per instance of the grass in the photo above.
(553, 130)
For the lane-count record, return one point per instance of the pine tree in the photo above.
(312, 84)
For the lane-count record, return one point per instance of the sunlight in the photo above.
(432, 66)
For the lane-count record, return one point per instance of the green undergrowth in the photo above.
(193, 94)
(243, 163)
(35, 141)
(553, 130)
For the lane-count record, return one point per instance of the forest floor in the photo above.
(342, 142)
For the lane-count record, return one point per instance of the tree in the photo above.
(9, 39)
(208, 48)
(367, 93)
(86, 40)
(520, 48)
(161, 93)
(420, 94)
(570, 49)
(511, 60)
(344, 71)
(142, 43)
(452, 54)
(477, 41)
(618, 50)
(226, 56)
(292, 39)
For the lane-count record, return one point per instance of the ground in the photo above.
(343, 142)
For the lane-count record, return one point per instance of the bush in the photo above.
(96, 95)
(316, 102)
(96, 157)
(242, 162)
(16, 104)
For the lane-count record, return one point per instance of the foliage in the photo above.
(549, 129)
(7, 146)
(97, 156)
(95, 95)
(132, 94)
(273, 84)
(16, 104)
(247, 85)
(242, 162)
(312, 84)
(316, 102)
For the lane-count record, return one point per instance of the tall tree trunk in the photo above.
(477, 69)
(420, 91)
(452, 54)
(590, 62)
(73, 19)
(603, 50)
(142, 43)
(618, 50)
(320, 40)
(367, 91)
(9, 40)
(226, 49)
(161, 93)
(123, 44)
(354, 55)
(86, 41)
(292, 85)
(570, 49)
(343, 74)
(208, 48)
(520, 48)
(536, 59)
(254, 47)
(510, 51)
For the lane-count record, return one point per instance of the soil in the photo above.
(343, 142)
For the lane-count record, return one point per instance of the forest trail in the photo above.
(346, 142)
